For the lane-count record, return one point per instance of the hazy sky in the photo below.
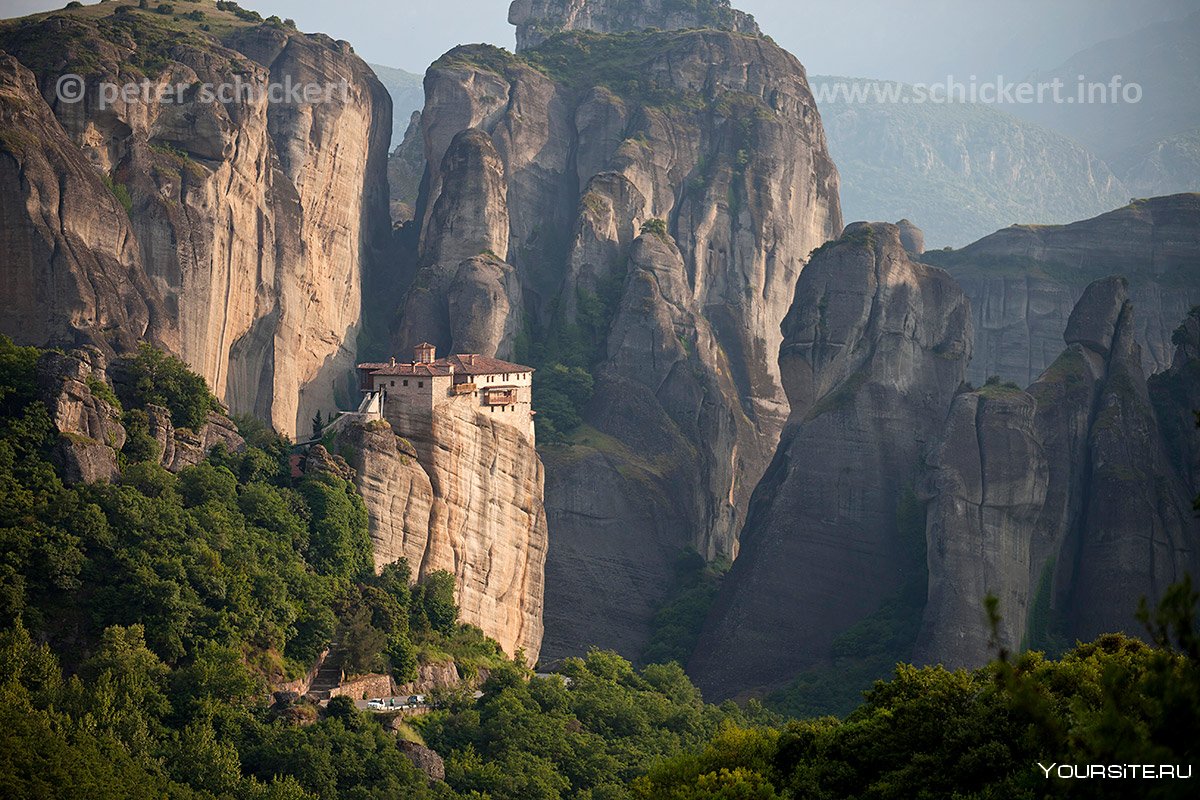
(918, 40)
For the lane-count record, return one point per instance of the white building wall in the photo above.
(406, 398)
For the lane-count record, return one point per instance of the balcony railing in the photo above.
(501, 397)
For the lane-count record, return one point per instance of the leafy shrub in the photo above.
(656, 227)
(678, 621)
(119, 191)
(238, 11)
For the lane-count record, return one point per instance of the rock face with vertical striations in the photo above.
(70, 268)
(180, 448)
(988, 485)
(1025, 280)
(248, 224)
(395, 489)
(1067, 502)
(1135, 534)
(1175, 393)
(462, 493)
(875, 347)
(637, 204)
(464, 282)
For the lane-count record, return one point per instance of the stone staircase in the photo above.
(329, 675)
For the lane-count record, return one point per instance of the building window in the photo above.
(405, 383)
(420, 384)
(393, 383)
(506, 377)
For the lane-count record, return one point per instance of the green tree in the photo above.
(433, 601)
(402, 657)
(362, 644)
(339, 545)
(161, 379)
(561, 393)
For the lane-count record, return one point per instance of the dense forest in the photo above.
(144, 622)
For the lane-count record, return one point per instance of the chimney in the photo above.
(393, 361)
(425, 353)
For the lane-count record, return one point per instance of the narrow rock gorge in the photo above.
(635, 205)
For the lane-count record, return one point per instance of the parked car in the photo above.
(416, 700)
(377, 703)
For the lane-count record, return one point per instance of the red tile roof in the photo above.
(464, 364)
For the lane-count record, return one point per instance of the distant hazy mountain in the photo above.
(1163, 59)
(408, 95)
(958, 170)
(1152, 145)
(1169, 166)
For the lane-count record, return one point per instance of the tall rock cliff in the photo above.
(1135, 533)
(1175, 393)
(70, 267)
(1024, 281)
(988, 485)
(875, 347)
(638, 205)
(249, 217)
(1068, 502)
(460, 493)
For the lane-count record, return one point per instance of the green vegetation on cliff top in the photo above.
(149, 35)
(584, 59)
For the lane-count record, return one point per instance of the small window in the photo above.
(405, 383)
(506, 377)
(393, 383)
(420, 384)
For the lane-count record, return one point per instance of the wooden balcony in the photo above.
(463, 388)
(500, 397)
